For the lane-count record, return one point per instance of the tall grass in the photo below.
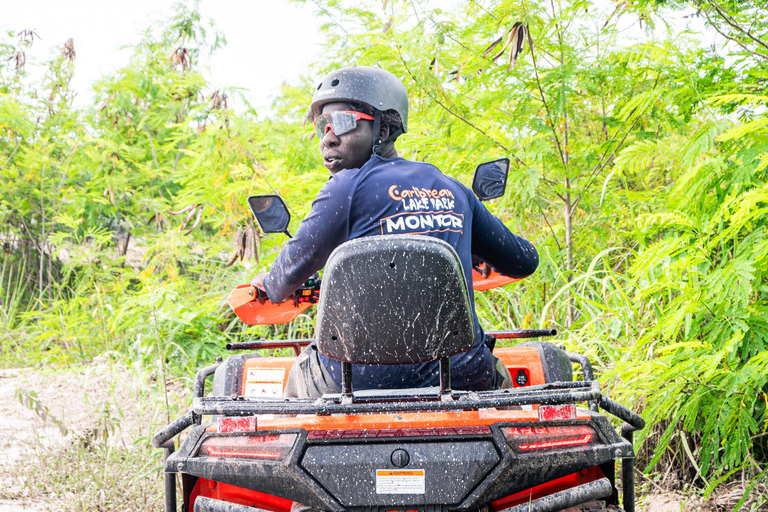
(11, 293)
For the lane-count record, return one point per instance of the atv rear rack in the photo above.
(401, 401)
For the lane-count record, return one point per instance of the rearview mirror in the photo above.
(271, 213)
(490, 179)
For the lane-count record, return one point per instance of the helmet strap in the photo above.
(377, 144)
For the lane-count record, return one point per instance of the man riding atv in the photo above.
(358, 113)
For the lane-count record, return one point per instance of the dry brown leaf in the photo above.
(256, 244)
(189, 217)
(218, 101)
(515, 40)
(248, 243)
(501, 52)
(160, 220)
(232, 260)
(517, 37)
(27, 36)
(492, 46)
(237, 245)
(20, 59)
(69, 49)
(197, 219)
(183, 210)
(237, 241)
(181, 57)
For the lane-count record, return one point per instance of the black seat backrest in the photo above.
(394, 299)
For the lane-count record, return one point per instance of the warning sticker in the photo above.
(266, 374)
(400, 481)
(264, 382)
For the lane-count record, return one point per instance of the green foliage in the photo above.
(29, 399)
(638, 169)
(122, 217)
(701, 364)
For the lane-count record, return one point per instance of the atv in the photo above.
(392, 300)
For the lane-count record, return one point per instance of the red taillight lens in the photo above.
(549, 438)
(273, 447)
(232, 425)
(557, 412)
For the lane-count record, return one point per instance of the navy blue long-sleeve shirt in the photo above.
(397, 196)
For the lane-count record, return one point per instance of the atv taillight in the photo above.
(250, 447)
(557, 412)
(232, 425)
(548, 438)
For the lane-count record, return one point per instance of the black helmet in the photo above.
(373, 86)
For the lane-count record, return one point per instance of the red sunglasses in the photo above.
(340, 122)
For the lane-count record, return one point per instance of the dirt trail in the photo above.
(81, 399)
(17, 423)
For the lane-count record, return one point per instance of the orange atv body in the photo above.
(527, 448)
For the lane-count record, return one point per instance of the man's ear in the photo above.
(384, 132)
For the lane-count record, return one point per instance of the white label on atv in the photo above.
(264, 382)
(400, 481)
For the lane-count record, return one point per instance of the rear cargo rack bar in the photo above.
(546, 394)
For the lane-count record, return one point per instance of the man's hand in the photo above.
(258, 281)
(482, 267)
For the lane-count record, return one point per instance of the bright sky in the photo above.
(268, 41)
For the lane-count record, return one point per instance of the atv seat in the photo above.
(395, 299)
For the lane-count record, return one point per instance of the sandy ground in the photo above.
(79, 398)
(17, 423)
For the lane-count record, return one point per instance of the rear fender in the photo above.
(251, 375)
(559, 484)
(284, 478)
(535, 363)
(240, 495)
